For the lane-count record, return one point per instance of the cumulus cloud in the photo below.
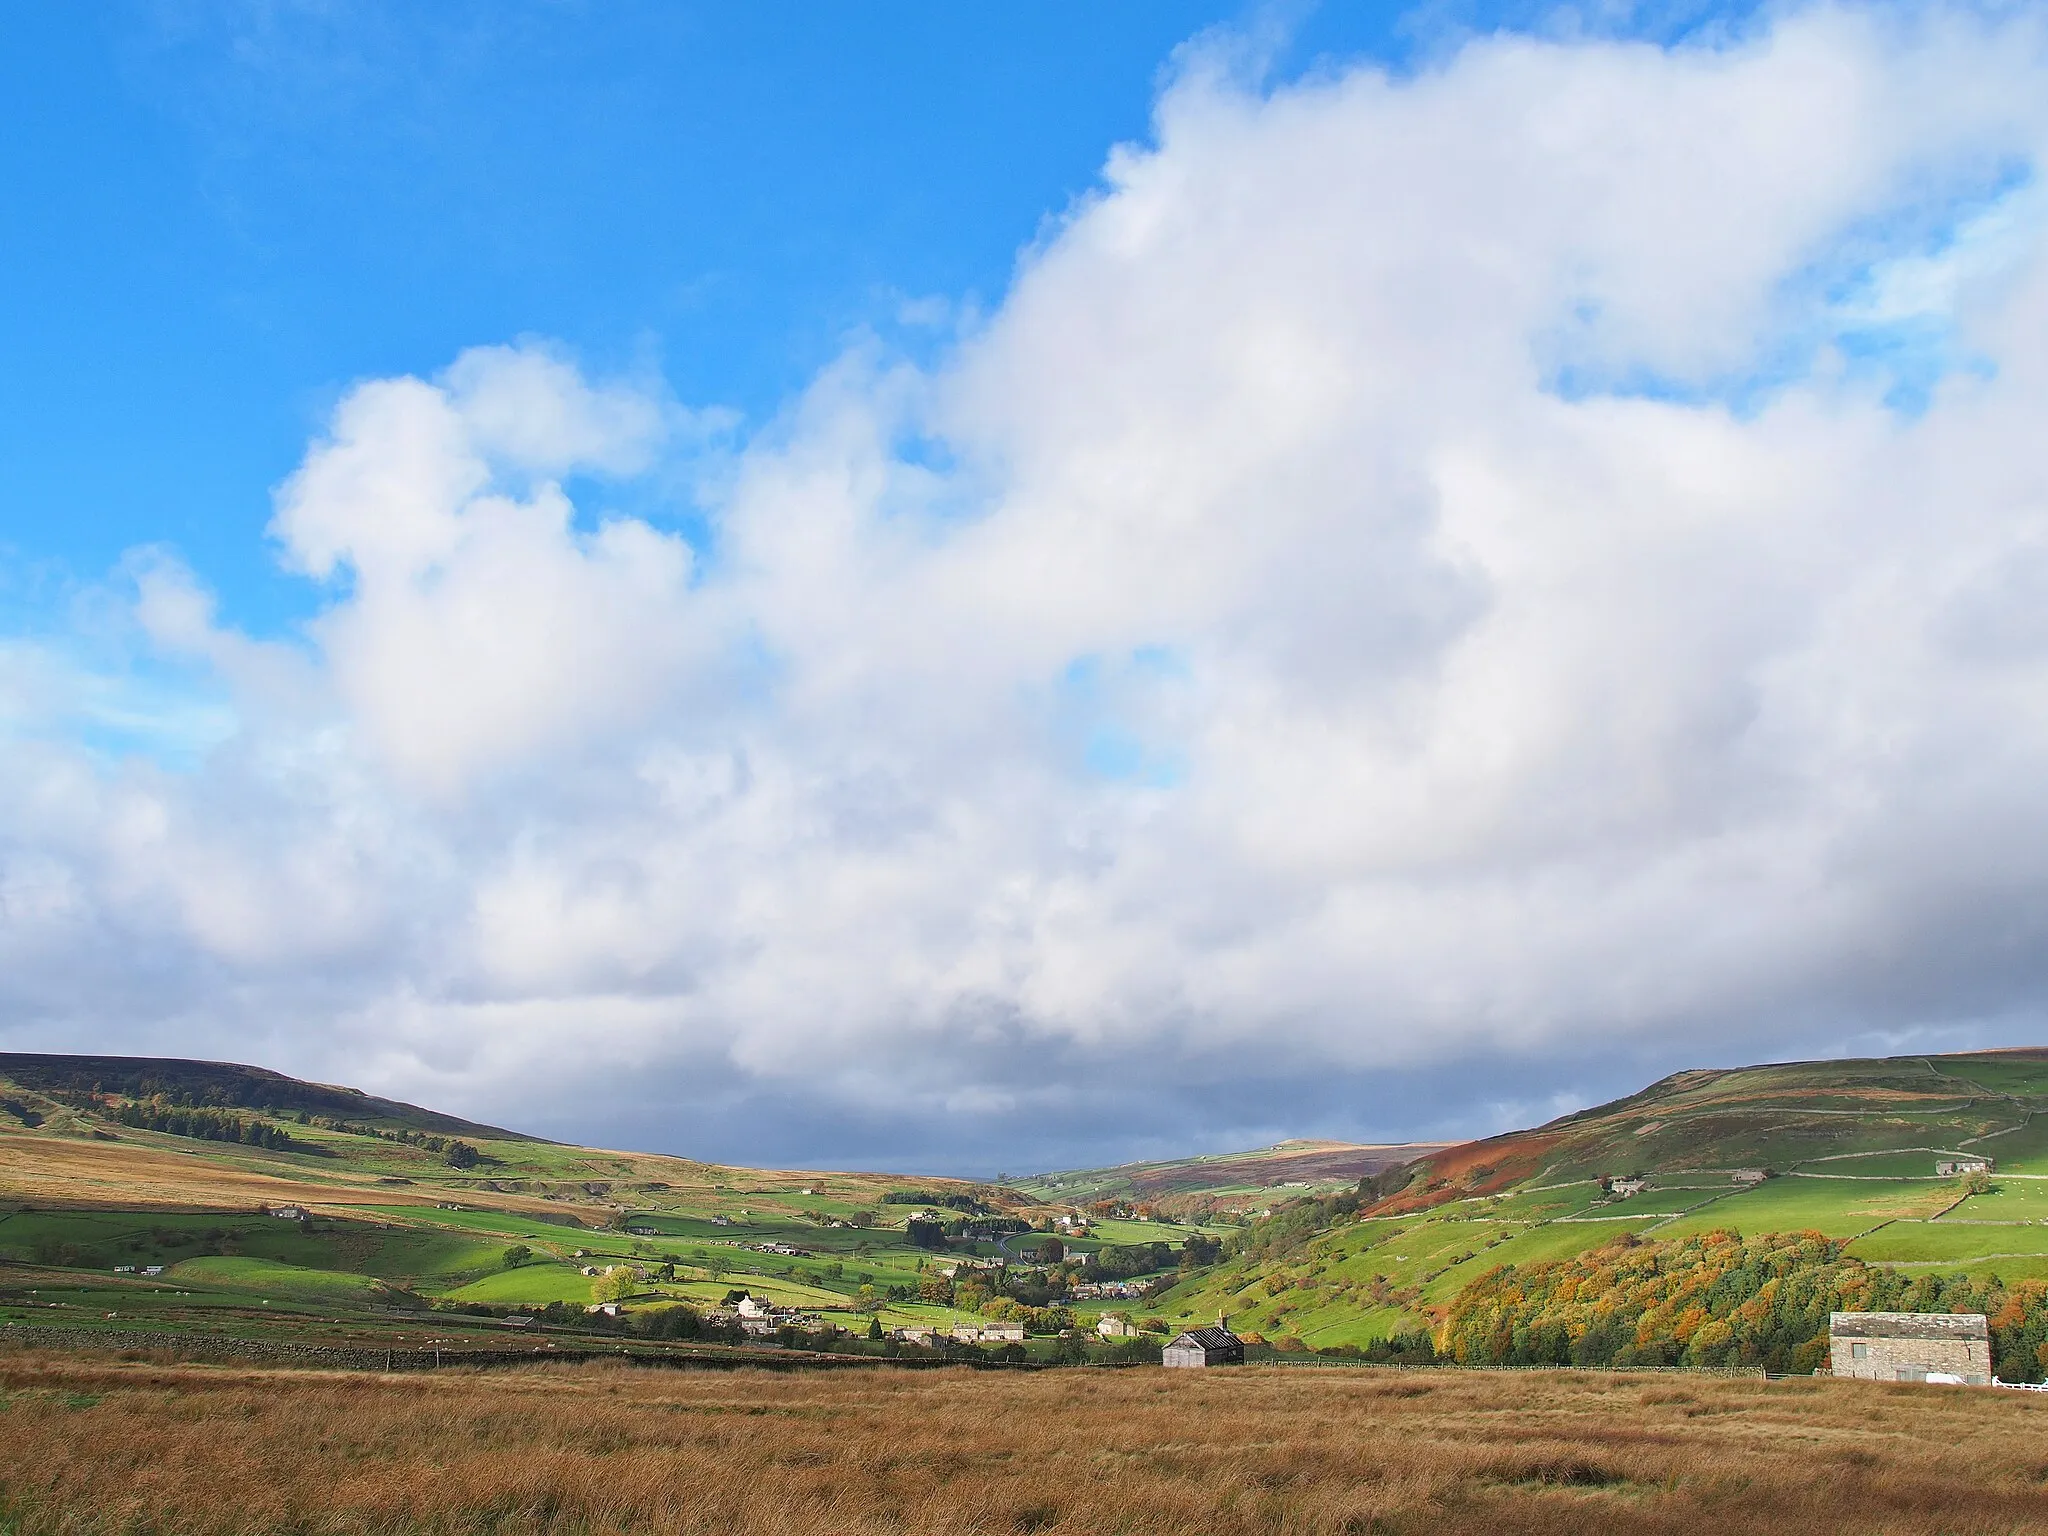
(1480, 583)
(482, 623)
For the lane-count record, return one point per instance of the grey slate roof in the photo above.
(1908, 1325)
(1206, 1338)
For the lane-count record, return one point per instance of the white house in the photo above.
(1952, 1167)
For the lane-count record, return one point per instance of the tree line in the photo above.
(1719, 1299)
(154, 1114)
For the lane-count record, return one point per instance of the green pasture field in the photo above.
(2009, 1268)
(530, 1285)
(1835, 1207)
(1544, 1204)
(2022, 1079)
(269, 1278)
(102, 1239)
(519, 1225)
(2024, 1150)
(1915, 1164)
(678, 1224)
(1355, 1325)
(1556, 1240)
(2009, 1199)
(1664, 1200)
(117, 1293)
(1433, 1245)
(1122, 1233)
(826, 1242)
(1941, 1241)
(1786, 1138)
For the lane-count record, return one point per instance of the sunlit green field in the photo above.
(1924, 1240)
(1835, 1207)
(270, 1278)
(2008, 1199)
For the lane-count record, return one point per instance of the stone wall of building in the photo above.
(1885, 1359)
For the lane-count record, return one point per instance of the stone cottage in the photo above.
(1952, 1347)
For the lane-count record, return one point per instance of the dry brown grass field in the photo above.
(92, 1446)
(56, 1172)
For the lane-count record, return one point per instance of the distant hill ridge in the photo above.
(1229, 1179)
(228, 1085)
(1780, 1115)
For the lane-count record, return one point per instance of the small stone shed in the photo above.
(1205, 1346)
(1911, 1346)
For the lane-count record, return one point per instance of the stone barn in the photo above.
(1952, 1347)
(1205, 1346)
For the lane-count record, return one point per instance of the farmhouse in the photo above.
(1953, 1167)
(1620, 1188)
(1113, 1327)
(1749, 1176)
(1205, 1346)
(288, 1212)
(1951, 1347)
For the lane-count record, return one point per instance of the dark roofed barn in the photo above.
(1205, 1346)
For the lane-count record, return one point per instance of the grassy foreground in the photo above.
(125, 1446)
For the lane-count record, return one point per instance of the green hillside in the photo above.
(1850, 1149)
(195, 1194)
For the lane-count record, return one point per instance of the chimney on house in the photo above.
(1223, 1321)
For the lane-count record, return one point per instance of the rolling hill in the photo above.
(112, 1167)
(1850, 1148)
(225, 1085)
(1231, 1181)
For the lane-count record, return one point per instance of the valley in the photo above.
(207, 1198)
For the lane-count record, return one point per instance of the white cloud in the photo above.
(1281, 666)
(483, 623)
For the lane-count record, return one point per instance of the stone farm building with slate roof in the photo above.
(1205, 1346)
(1953, 1347)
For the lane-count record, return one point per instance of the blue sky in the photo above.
(224, 214)
(1010, 588)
